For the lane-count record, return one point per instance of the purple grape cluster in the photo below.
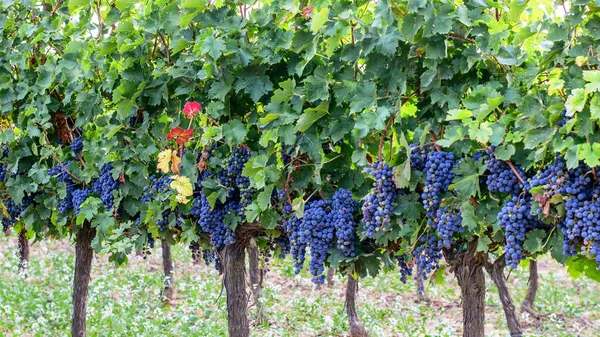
(427, 259)
(14, 212)
(77, 145)
(447, 221)
(211, 221)
(379, 204)
(564, 118)
(516, 219)
(105, 185)
(79, 196)
(501, 177)
(405, 270)
(157, 186)
(344, 208)
(65, 204)
(438, 168)
(418, 156)
(316, 230)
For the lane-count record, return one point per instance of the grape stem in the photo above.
(512, 167)
(58, 160)
(435, 139)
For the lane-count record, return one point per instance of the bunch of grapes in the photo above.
(427, 259)
(105, 185)
(163, 222)
(298, 248)
(501, 178)
(564, 118)
(516, 219)
(344, 208)
(231, 176)
(77, 145)
(79, 196)
(211, 221)
(14, 212)
(316, 230)
(380, 202)
(418, 156)
(580, 182)
(284, 244)
(405, 269)
(3, 171)
(552, 179)
(65, 204)
(438, 168)
(285, 156)
(157, 186)
(447, 222)
(195, 250)
(137, 119)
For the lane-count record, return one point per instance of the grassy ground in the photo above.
(126, 301)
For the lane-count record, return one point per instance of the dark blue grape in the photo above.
(516, 219)
(344, 208)
(380, 202)
(105, 185)
(77, 145)
(79, 196)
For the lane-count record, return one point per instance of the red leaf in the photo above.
(180, 135)
(191, 109)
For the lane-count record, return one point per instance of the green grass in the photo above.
(126, 301)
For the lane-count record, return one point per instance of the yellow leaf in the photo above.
(181, 199)
(183, 186)
(164, 158)
(175, 162)
(167, 157)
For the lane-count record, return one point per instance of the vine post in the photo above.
(81, 280)
(357, 328)
(234, 265)
(527, 304)
(168, 290)
(23, 251)
(468, 269)
(496, 272)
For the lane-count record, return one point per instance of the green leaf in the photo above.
(595, 107)
(402, 174)
(482, 133)
(466, 182)
(77, 4)
(311, 115)
(469, 218)
(505, 152)
(593, 79)
(286, 91)
(235, 131)
(453, 134)
(194, 4)
(534, 240)
(458, 114)
(212, 46)
(576, 101)
(407, 110)
(538, 136)
(254, 82)
(483, 243)
(123, 5)
(269, 219)
(590, 154)
(363, 98)
(319, 19)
